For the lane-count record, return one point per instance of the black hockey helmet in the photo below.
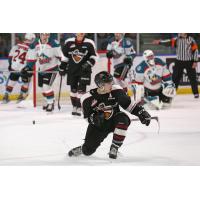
(103, 77)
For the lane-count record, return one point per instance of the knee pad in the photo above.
(88, 150)
(11, 83)
(122, 118)
(166, 99)
(46, 88)
(73, 90)
(82, 88)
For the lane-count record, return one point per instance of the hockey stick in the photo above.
(152, 118)
(124, 72)
(59, 107)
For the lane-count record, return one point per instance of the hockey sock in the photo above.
(119, 134)
(9, 89)
(73, 97)
(78, 101)
(24, 89)
(49, 96)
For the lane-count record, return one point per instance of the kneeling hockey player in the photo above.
(156, 79)
(101, 109)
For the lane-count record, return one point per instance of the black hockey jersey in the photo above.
(109, 102)
(79, 53)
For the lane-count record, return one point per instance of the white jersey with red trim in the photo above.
(18, 56)
(46, 56)
(152, 77)
(120, 50)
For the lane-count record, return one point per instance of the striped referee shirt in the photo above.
(186, 48)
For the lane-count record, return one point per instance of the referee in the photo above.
(187, 57)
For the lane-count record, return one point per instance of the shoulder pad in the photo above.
(54, 43)
(159, 61)
(85, 96)
(141, 67)
(72, 39)
(127, 43)
(33, 45)
(87, 40)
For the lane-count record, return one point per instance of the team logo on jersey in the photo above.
(43, 59)
(78, 56)
(152, 77)
(108, 110)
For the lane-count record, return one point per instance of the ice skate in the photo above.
(50, 107)
(74, 110)
(21, 97)
(78, 111)
(113, 151)
(5, 99)
(77, 151)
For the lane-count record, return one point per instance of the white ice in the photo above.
(53, 135)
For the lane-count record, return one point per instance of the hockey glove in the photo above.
(142, 114)
(128, 61)
(63, 68)
(26, 72)
(109, 54)
(97, 119)
(86, 67)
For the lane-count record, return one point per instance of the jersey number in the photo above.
(20, 56)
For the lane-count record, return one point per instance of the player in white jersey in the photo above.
(154, 75)
(46, 54)
(122, 51)
(17, 60)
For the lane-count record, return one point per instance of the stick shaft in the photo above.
(152, 118)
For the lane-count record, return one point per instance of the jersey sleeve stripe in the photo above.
(131, 106)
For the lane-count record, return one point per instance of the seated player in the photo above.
(17, 60)
(156, 79)
(101, 109)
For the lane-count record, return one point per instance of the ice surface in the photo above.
(53, 135)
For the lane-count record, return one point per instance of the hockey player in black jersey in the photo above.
(80, 53)
(101, 108)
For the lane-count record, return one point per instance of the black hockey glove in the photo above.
(97, 119)
(142, 114)
(86, 67)
(26, 72)
(63, 68)
(109, 54)
(128, 61)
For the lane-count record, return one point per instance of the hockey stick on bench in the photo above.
(152, 118)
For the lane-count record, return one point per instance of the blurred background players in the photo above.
(101, 109)
(80, 53)
(156, 80)
(48, 54)
(187, 58)
(17, 60)
(123, 53)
